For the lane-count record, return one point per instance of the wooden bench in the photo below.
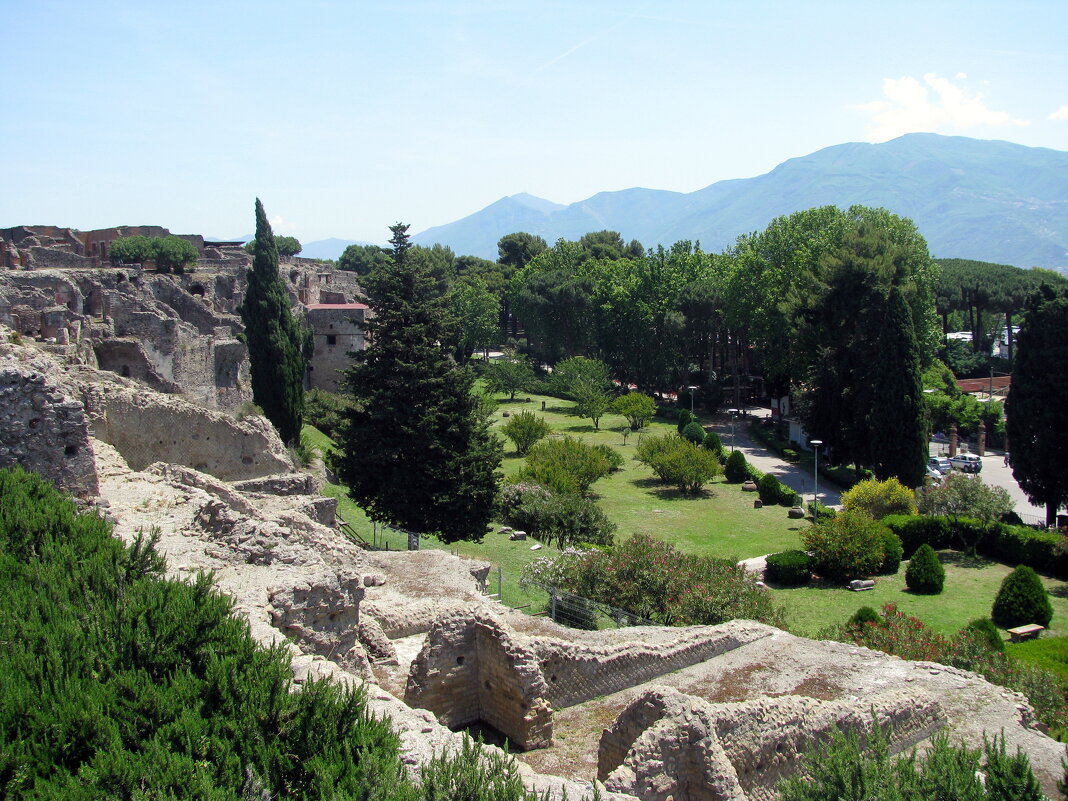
(1021, 633)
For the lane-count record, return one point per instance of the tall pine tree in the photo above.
(415, 452)
(275, 338)
(1035, 425)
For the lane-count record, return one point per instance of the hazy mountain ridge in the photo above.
(976, 199)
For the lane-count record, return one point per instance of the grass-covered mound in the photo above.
(117, 683)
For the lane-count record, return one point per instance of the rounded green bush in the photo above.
(712, 442)
(1021, 600)
(789, 568)
(893, 551)
(736, 470)
(925, 573)
(864, 615)
(984, 630)
(694, 432)
(769, 488)
(684, 420)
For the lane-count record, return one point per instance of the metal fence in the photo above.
(577, 612)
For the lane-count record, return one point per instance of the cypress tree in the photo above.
(1035, 423)
(896, 420)
(415, 451)
(276, 340)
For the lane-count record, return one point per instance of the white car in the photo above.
(939, 463)
(934, 475)
(966, 462)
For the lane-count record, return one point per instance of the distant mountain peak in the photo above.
(988, 200)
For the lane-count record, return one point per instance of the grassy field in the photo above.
(719, 522)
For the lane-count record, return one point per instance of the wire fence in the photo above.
(577, 612)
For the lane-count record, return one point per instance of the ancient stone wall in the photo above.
(147, 427)
(472, 669)
(578, 672)
(671, 746)
(42, 421)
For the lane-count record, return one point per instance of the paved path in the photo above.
(795, 477)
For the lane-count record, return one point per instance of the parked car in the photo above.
(966, 462)
(934, 475)
(940, 463)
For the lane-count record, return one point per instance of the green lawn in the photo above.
(970, 588)
(719, 522)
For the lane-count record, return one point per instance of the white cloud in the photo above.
(962, 76)
(279, 223)
(1060, 114)
(908, 107)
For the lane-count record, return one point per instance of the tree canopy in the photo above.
(1037, 435)
(416, 451)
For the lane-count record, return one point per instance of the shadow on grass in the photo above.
(585, 429)
(967, 560)
(1059, 591)
(509, 401)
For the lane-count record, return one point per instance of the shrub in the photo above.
(712, 442)
(248, 409)
(678, 462)
(789, 568)
(524, 429)
(735, 469)
(790, 455)
(118, 683)
(925, 573)
(880, 498)
(907, 637)
(1021, 600)
(960, 495)
(917, 531)
(684, 420)
(656, 581)
(694, 432)
(892, 553)
(863, 616)
(325, 410)
(848, 546)
(769, 488)
(614, 457)
(564, 519)
(984, 630)
(838, 768)
(565, 464)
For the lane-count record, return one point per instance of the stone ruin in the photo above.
(657, 713)
(174, 333)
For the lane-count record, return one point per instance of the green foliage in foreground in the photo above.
(841, 770)
(908, 637)
(565, 465)
(120, 684)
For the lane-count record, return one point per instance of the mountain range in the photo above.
(973, 199)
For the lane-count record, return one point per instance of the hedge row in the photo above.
(1013, 545)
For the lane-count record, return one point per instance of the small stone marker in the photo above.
(859, 585)
(757, 504)
(517, 535)
(536, 546)
(749, 486)
(504, 530)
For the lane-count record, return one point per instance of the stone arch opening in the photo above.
(197, 289)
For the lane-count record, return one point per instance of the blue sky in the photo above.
(345, 117)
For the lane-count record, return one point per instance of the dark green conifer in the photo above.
(1021, 600)
(276, 340)
(925, 573)
(416, 452)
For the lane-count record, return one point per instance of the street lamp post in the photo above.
(733, 413)
(692, 390)
(815, 443)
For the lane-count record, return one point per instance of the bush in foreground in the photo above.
(789, 568)
(118, 683)
(839, 769)
(925, 573)
(908, 637)
(1021, 600)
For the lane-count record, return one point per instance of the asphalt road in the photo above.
(996, 474)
